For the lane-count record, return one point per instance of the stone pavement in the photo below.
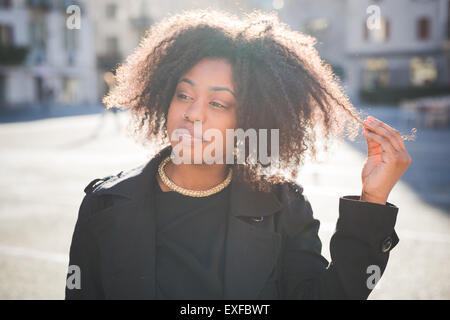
(45, 165)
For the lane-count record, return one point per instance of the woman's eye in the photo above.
(219, 105)
(185, 97)
(182, 96)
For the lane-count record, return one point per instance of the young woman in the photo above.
(173, 229)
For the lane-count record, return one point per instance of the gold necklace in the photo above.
(191, 193)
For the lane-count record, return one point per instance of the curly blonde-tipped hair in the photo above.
(281, 82)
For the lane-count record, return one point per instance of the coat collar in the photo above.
(126, 233)
(244, 201)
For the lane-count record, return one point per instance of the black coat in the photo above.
(273, 250)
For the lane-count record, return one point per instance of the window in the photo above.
(38, 38)
(112, 45)
(39, 89)
(448, 20)
(71, 44)
(375, 73)
(111, 10)
(423, 28)
(70, 39)
(38, 31)
(378, 34)
(422, 70)
(317, 27)
(5, 4)
(6, 35)
(71, 91)
(2, 88)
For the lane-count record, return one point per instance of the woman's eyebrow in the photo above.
(210, 88)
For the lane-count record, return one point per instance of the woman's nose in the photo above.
(196, 112)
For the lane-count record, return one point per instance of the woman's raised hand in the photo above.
(387, 160)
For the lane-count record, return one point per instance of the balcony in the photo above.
(141, 22)
(47, 5)
(12, 55)
(64, 4)
(44, 5)
(108, 61)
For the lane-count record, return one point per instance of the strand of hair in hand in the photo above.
(410, 137)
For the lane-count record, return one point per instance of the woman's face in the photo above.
(203, 95)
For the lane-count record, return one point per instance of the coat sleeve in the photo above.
(359, 249)
(84, 255)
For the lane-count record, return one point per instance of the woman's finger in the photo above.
(385, 133)
(390, 129)
(385, 144)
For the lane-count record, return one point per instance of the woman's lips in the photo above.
(187, 138)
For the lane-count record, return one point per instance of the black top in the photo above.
(190, 244)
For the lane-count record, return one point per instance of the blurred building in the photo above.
(42, 60)
(382, 49)
(326, 21)
(379, 48)
(408, 52)
(119, 26)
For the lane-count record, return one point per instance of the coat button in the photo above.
(387, 244)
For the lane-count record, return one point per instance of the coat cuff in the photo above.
(369, 222)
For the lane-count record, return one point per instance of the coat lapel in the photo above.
(126, 233)
(127, 236)
(252, 246)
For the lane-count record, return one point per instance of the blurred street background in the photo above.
(57, 60)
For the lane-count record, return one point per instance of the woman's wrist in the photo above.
(367, 198)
